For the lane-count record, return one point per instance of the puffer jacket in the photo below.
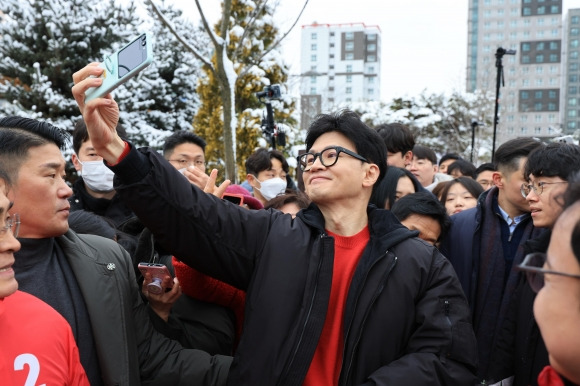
(406, 318)
(130, 351)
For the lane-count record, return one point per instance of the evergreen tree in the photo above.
(251, 34)
(42, 43)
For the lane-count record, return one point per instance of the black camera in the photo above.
(270, 92)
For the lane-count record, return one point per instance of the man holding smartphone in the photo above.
(342, 294)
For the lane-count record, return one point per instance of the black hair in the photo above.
(423, 152)
(18, 135)
(181, 137)
(367, 142)
(557, 159)
(4, 175)
(472, 186)
(447, 156)
(289, 197)
(384, 194)
(422, 203)
(81, 135)
(487, 166)
(465, 167)
(397, 137)
(508, 155)
(261, 160)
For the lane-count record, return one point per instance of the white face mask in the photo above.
(97, 176)
(271, 188)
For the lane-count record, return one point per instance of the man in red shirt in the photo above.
(37, 343)
(340, 294)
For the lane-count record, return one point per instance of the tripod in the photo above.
(498, 83)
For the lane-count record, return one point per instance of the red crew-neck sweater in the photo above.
(325, 366)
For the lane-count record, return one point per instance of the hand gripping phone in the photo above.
(158, 273)
(122, 66)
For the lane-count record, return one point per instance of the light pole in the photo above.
(499, 82)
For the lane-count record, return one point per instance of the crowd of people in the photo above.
(388, 267)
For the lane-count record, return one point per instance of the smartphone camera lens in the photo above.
(144, 41)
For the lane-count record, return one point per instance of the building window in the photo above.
(572, 125)
(538, 94)
(553, 58)
(313, 58)
(349, 90)
(538, 118)
(572, 90)
(510, 130)
(551, 107)
(313, 36)
(313, 47)
(574, 43)
(525, 47)
(573, 78)
(575, 19)
(574, 31)
(538, 130)
(524, 130)
(551, 118)
(348, 100)
(372, 47)
(313, 68)
(349, 56)
(312, 90)
(554, 9)
(573, 66)
(574, 54)
(526, 11)
(538, 106)
(371, 58)
(331, 67)
(554, 46)
(572, 113)
(525, 59)
(312, 79)
(371, 91)
(524, 94)
(372, 37)
(552, 94)
(539, 70)
(371, 79)
(349, 35)
(349, 46)
(540, 46)
(349, 79)
(540, 58)
(349, 68)
(572, 101)
(541, 10)
(539, 81)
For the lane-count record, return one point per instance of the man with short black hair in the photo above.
(93, 190)
(266, 173)
(422, 211)
(88, 279)
(399, 142)
(484, 175)
(321, 287)
(485, 242)
(446, 160)
(424, 167)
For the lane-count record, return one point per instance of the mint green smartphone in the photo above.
(123, 65)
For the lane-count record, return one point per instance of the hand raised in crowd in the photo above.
(101, 115)
(162, 303)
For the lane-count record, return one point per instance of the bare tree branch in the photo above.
(215, 40)
(277, 43)
(178, 36)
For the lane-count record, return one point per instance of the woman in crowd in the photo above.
(397, 183)
(460, 194)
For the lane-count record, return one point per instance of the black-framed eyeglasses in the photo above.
(532, 266)
(11, 225)
(525, 189)
(185, 162)
(328, 157)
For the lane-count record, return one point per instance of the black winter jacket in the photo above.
(406, 318)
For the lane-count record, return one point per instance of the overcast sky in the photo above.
(424, 42)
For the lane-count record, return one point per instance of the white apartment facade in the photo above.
(340, 64)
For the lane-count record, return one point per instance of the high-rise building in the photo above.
(571, 81)
(340, 63)
(530, 96)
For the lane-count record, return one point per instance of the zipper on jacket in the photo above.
(285, 373)
(357, 340)
(446, 307)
